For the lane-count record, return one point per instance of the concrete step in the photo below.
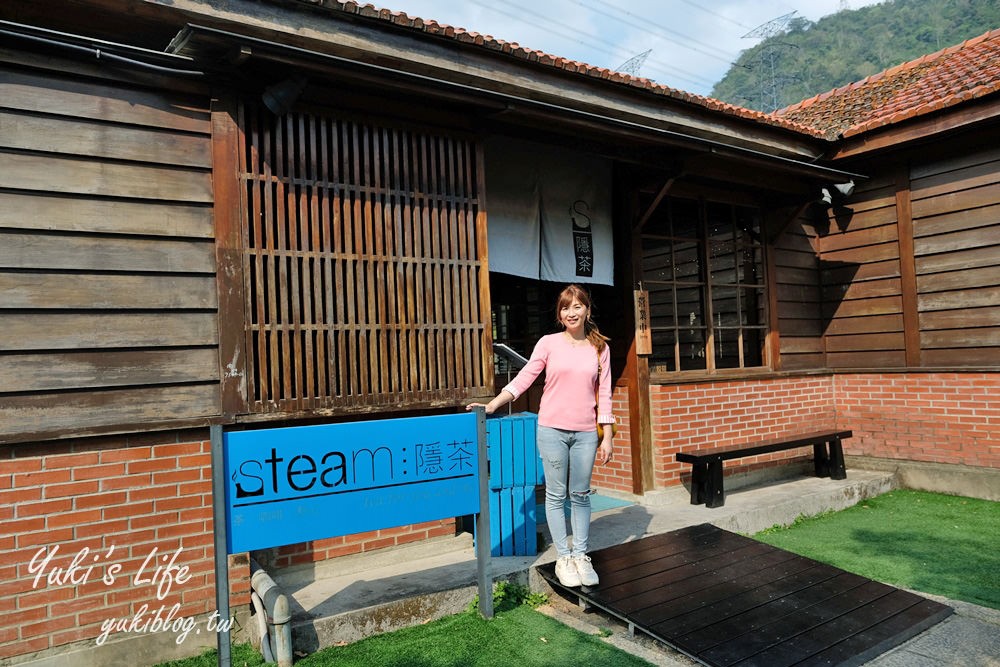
(357, 596)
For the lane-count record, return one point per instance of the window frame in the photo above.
(706, 285)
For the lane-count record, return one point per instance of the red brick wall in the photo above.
(110, 503)
(934, 417)
(136, 494)
(617, 474)
(688, 416)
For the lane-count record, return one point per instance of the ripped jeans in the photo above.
(567, 456)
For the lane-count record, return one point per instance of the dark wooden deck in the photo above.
(724, 599)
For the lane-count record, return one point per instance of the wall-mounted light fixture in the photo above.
(836, 191)
(280, 97)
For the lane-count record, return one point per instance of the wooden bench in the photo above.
(706, 471)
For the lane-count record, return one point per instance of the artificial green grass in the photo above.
(929, 542)
(241, 655)
(518, 637)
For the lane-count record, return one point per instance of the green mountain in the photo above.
(799, 58)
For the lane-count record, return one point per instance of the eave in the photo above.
(917, 130)
(208, 45)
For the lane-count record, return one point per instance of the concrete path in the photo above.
(358, 596)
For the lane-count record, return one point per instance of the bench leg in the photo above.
(837, 468)
(821, 460)
(698, 475)
(714, 495)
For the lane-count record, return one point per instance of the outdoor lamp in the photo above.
(280, 97)
(840, 190)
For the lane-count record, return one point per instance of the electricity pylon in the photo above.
(633, 64)
(768, 57)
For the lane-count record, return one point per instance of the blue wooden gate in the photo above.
(515, 470)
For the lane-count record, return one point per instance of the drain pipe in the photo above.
(262, 628)
(278, 614)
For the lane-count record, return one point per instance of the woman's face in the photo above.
(573, 315)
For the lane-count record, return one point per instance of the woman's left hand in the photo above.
(605, 451)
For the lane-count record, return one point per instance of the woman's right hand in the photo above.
(500, 400)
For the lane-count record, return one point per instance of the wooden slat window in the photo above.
(362, 265)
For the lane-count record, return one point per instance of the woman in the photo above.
(567, 431)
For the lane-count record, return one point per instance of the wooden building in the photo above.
(277, 212)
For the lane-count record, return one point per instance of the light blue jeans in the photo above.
(568, 460)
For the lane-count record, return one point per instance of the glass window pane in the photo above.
(748, 224)
(661, 305)
(692, 344)
(752, 307)
(722, 261)
(690, 306)
(686, 219)
(753, 347)
(727, 348)
(663, 357)
(657, 263)
(724, 311)
(687, 259)
(658, 223)
(751, 265)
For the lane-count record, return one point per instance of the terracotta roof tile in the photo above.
(957, 74)
(517, 51)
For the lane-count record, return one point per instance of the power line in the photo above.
(715, 14)
(614, 50)
(712, 54)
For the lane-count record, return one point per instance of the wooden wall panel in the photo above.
(83, 176)
(48, 371)
(85, 330)
(798, 297)
(47, 211)
(956, 210)
(107, 262)
(861, 278)
(73, 136)
(53, 94)
(73, 413)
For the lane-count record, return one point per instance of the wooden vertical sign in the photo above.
(643, 336)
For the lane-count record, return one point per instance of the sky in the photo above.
(690, 43)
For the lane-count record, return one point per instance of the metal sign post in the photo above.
(221, 552)
(484, 565)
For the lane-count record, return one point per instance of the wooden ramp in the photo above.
(724, 599)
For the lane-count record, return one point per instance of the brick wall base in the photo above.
(950, 418)
(692, 416)
(99, 532)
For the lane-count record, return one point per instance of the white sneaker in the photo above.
(588, 577)
(566, 572)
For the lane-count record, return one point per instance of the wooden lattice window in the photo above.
(703, 265)
(362, 269)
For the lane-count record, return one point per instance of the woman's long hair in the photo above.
(596, 338)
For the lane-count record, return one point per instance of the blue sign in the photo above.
(290, 485)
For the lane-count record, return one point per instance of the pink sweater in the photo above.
(570, 377)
